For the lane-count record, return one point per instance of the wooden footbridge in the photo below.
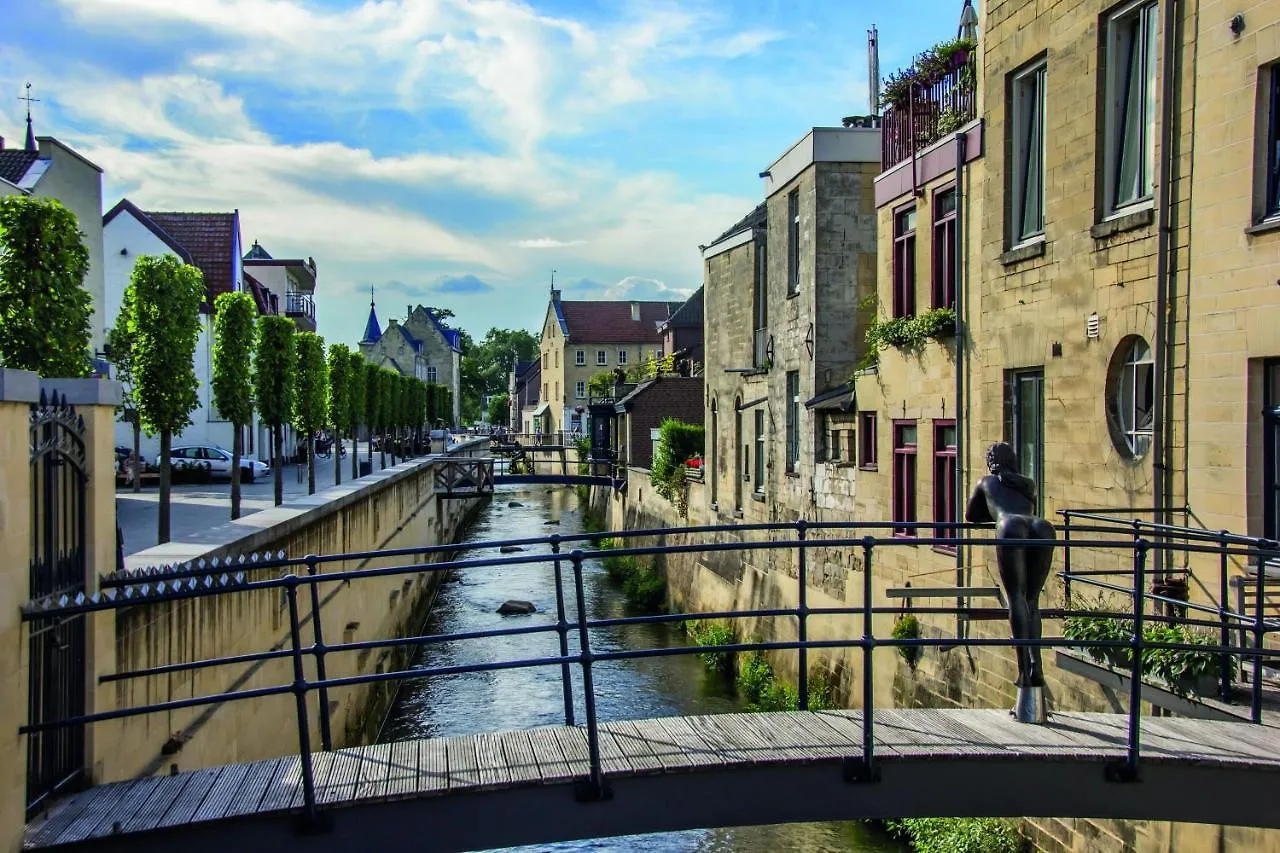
(591, 778)
(462, 479)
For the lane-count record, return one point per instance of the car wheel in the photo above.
(246, 475)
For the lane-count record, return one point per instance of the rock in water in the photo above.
(517, 608)
(510, 549)
(551, 522)
(514, 504)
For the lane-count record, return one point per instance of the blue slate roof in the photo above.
(372, 331)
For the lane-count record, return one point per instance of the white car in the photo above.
(218, 462)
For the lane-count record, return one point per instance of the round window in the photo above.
(1131, 397)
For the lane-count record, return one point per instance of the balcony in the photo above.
(301, 308)
(930, 107)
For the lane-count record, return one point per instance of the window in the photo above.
(580, 390)
(657, 355)
(944, 249)
(741, 455)
(904, 476)
(622, 356)
(1024, 423)
(1272, 208)
(431, 373)
(904, 262)
(1130, 107)
(713, 445)
(1028, 154)
(1131, 397)
(761, 299)
(793, 421)
(833, 443)
(580, 358)
(944, 476)
(793, 242)
(867, 440)
(1271, 449)
(544, 361)
(758, 479)
(557, 390)
(602, 357)
(557, 358)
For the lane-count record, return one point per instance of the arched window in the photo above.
(713, 441)
(1131, 397)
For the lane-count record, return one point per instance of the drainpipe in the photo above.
(958, 261)
(1165, 270)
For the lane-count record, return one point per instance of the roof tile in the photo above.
(210, 238)
(610, 321)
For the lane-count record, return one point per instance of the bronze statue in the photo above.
(1007, 498)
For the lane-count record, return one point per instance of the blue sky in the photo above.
(453, 152)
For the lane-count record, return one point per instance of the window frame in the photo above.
(905, 476)
(867, 445)
(904, 261)
(1271, 448)
(945, 472)
(792, 401)
(793, 242)
(760, 294)
(1013, 426)
(622, 356)
(580, 358)
(758, 469)
(1271, 154)
(432, 375)
(602, 358)
(1112, 129)
(1126, 374)
(1021, 138)
(580, 390)
(943, 272)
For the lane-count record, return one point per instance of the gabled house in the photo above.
(291, 281)
(421, 347)
(211, 243)
(682, 334)
(46, 168)
(524, 387)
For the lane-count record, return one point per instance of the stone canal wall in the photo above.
(395, 508)
(946, 677)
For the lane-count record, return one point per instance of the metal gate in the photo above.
(55, 758)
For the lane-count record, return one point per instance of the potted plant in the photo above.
(907, 627)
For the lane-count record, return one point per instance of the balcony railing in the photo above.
(932, 112)
(300, 304)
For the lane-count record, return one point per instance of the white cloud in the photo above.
(546, 243)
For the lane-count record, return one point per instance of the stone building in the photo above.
(639, 414)
(682, 334)
(583, 338)
(291, 281)
(420, 346)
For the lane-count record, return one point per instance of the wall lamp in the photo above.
(766, 174)
(1237, 25)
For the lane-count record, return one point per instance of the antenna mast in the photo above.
(873, 69)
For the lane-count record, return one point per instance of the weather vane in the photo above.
(30, 100)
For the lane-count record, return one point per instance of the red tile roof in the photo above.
(210, 239)
(610, 322)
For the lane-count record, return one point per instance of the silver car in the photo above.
(217, 461)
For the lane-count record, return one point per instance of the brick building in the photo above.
(641, 411)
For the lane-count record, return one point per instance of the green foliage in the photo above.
(601, 384)
(233, 339)
(928, 68)
(909, 334)
(583, 446)
(678, 442)
(651, 369)
(644, 585)
(387, 386)
(44, 308)
(958, 834)
(907, 627)
(339, 386)
(500, 409)
(274, 365)
(165, 324)
(485, 365)
(764, 691)
(311, 386)
(355, 392)
(372, 397)
(713, 634)
(120, 349)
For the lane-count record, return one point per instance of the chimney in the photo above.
(1, 143)
(635, 312)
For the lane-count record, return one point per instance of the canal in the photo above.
(525, 698)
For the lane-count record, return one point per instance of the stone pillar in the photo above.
(18, 390)
(96, 400)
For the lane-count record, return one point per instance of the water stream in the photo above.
(525, 698)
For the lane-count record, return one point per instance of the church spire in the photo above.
(372, 331)
(31, 136)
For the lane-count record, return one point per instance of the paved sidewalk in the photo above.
(198, 507)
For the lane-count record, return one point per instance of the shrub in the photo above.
(764, 691)
(644, 585)
(958, 834)
(1176, 667)
(713, 634)
(908, 628)
(678, 442)
(908, 334)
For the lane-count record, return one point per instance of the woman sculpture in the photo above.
(1007, 498)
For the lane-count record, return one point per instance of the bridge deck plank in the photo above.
(613, 757)
(221, 791)
(491, 765)
(344, 775)
(805, 730)
(157, 804)
(573, 745)
(690, 742)
(89, 809)
(517, 753)
(253, 788)
(667, 751)
(403, 770)
(546, 748)
(743, 737)
(433, 766)
(284, 791)
(46, 829)
(375, 770)
(197, 788)
(636, 746)
(126, 807)
(462, 770)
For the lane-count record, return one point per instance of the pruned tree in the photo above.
(372, 400)
(355, 408)
(274, 363)
(234, 330)
(311, 396)
(120, 354)
(386, 403)
(164, 325)
(339, 404)
(44, 308)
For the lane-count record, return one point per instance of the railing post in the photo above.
(300, 698)
(1224, 660)
(1259, 637)
(562, 629)
(802, 614)
(1127, 770)
(1066, 556)
(865, 769)
(317, 635)
(594, 787)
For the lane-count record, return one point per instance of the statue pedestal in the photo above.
(1030, 706)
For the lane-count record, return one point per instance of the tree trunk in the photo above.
(311, 463)
(277, 461)
(382, 452)
(337, 456)
(137, 453)
(237, 448)
(162, 533)
(393, 448)
(371, 450)
(355, 452)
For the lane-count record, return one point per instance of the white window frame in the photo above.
(431, 373)
(1137, 377)
(1147, 29)
(1035, 75)
(622, 356)
(580, 389)
(580, 358)
(602, 358)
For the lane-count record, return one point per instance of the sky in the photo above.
(453, 152)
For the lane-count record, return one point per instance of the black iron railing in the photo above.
(308, 574)
(300, 305)
(928, 114)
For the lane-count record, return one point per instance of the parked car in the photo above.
(217, 461)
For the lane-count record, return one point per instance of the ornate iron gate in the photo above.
(55, 758)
